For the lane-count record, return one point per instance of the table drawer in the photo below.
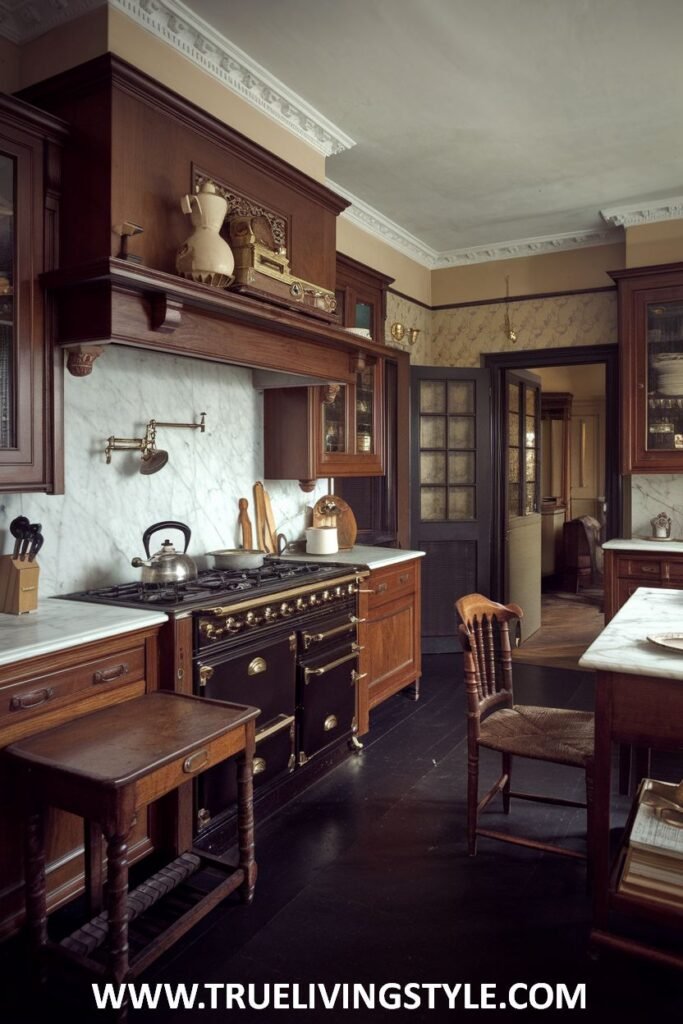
(56, 689)
(390, 583)
(642, 568)
(672, 573)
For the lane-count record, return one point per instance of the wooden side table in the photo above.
(106, 767)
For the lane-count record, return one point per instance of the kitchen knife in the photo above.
(17, 528)
(29, 534)
(36, 545)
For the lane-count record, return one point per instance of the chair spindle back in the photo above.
(488, 664)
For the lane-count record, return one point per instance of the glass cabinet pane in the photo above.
(665, 376)
(363, 316)
(334, 422)
(365, 410)
(8, 437)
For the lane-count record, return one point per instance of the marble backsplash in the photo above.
(650, 495)
(94, 529)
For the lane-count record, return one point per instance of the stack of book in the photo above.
(653, 867)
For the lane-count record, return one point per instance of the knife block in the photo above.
(18, 585)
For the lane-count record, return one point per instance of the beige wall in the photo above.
(530, 275)
(409, 277)
(579, 381)
(650, 244)
(64, 47)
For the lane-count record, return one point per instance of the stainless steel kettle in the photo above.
(166, 565)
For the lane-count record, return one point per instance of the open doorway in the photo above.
(577, 506)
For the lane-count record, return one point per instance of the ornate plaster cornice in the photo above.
(393, 234)
(630, 215)
(23, 20)
(182, 29)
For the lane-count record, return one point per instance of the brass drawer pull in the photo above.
(256, 666)
(316, 638)
(381, 587)
(259, 766)
(330, 723)
(327, 668)
(404, 578)
(648, 568)
(195, 762)
(107, 675)
(205, 673)
(31, 700)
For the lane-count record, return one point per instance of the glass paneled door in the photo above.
(451, 493)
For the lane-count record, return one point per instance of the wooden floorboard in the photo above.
(568, 627)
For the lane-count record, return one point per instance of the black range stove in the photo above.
(216, 586)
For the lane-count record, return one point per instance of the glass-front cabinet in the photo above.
(30, 433)
(349, 427)
(651, 360)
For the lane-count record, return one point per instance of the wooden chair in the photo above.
(496, 722)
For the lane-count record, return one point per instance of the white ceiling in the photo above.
(481, 121)
(466, 123)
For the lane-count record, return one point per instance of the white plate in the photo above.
(672, 641)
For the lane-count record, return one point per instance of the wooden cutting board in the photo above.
(269, 533)
(344, 519)
(245, 525)
(260, 514)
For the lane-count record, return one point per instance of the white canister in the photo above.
(321, 540)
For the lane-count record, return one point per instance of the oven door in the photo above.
(326, 699)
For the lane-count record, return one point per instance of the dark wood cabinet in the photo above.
(625, 570)
(31, 457)
(42, 692)
(362, 296)
(651, 360)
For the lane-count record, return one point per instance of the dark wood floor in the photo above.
(365, 878)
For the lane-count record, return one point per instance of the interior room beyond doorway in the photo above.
(572, 507)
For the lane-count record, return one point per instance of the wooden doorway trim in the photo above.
(498, 363)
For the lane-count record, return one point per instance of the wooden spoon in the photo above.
(245, 524)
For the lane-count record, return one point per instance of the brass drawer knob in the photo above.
(256, 666)
(195, 762)
(259, 765)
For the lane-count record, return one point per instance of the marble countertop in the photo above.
(57, 625)
(673, 546)
(373, 558)
(623, 645)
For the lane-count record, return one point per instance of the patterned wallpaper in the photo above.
(457, 337)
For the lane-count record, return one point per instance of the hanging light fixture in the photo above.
(510, 334)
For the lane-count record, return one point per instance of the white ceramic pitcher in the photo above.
(205, 256)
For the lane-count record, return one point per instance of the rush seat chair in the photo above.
(496, 722)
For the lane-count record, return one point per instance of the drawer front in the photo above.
(642, 568)
(52, 690)
(390, 583)
(672, 573)
(629, 587)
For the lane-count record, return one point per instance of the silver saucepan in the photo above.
(238, 558)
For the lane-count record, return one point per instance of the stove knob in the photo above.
(252, 619)
(285, 609)
(313, 600)
(270, 614)
(338, 591)
(210, 630)
(351, 589)
(326, 595)
(232, 624)
(300, 604)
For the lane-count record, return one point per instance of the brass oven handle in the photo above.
(195, 762)
(256, 666)
(327, 668)
(31, 700)
(316, 638)
(108, 674)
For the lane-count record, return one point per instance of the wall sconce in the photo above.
(152, 459)
(398, 332)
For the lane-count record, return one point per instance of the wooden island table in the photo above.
(639, 701)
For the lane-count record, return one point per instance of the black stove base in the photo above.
(219, 838)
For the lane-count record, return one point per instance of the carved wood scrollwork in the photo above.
(239, 203)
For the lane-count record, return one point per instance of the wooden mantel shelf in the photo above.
(112, 301)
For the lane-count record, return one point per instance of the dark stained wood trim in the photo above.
(524, 298)
(355, 266)
(409, 298)
(569, 356)
(659, 268)
(107, 69)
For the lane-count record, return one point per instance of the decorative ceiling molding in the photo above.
(393, 234)
(182, 29)
(644, 212)
(23, 20)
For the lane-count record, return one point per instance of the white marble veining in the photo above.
(642, 544)
(623, 645)
(650, 495)
(95, 528)
(57, 625)
(361, 554)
